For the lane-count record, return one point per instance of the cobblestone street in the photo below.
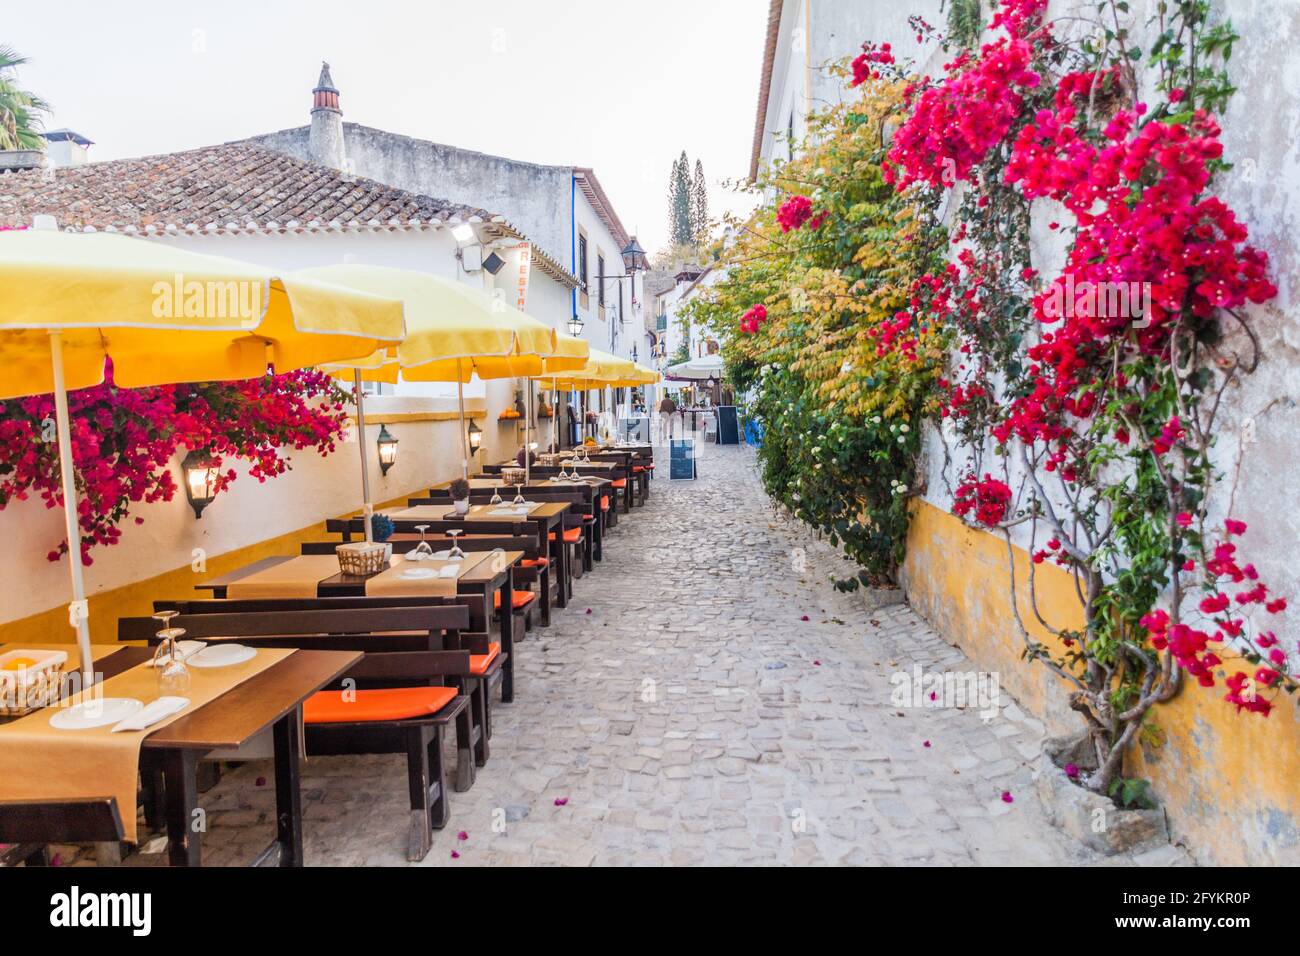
(693, 716)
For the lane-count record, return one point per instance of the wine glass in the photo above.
(422, 550)
(455, 554)
(519, 495)
(496, 495)
(173, 675)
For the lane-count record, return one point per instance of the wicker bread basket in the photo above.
(513, 476)
(360, 557)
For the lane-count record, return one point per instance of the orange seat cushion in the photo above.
(572, 536)
(535, 563)
(392, 703)
(518, 599)
(619, 482)
(588, 517)
(604, 502)
(479, 663)
(638, 467)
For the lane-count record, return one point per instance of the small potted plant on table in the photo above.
(459, 489)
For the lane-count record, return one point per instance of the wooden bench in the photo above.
(394, 700)
(30, 826)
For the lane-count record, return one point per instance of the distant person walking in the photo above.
(667, 416)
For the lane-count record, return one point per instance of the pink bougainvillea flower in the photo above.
(925, 744)
(462, 835)
(455, 854)
(794, 212)
(1183, 519)
(817, 663)
(1233, 526)
(804, 618)
(1071, 771)
(561, 801)
(1006, 797)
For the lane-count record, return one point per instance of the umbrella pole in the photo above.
(528, 431)
(367, 508)
(464, 439)
(555, 416)
(78, 610)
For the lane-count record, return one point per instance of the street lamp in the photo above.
(387, 449)
(475, 437)
(201, 475)
(575, 326)
(633, 256)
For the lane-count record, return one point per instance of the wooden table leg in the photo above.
(288, 793)
(181, 794)
(507, 638)
(560, 559)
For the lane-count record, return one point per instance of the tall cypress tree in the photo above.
(699, 206)
(679, 203)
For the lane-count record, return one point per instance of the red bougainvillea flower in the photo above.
(866, 65)
(1234, 527)
(753, 318)
(989, 499)
(124, 441)
(1007, 798)
(794, 212)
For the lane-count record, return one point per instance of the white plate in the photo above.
(222, 655)
(419, 574)
(95, 713)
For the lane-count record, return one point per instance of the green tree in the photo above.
(679, 203)
(20, 110)
(699, 206)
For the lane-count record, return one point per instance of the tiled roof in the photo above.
(235, 183)
(765, 83)
(234, 188)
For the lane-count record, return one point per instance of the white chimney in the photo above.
(63, 147)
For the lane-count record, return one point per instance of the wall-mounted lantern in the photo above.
(387, 449)
(475, 437)
(575, 326)
(201, 474)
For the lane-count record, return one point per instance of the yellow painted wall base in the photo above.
(136, 599)
(1230, 782)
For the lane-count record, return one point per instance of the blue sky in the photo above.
(619, 86)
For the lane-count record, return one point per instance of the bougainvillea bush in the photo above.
(808, 309)
(124, 441)
(1082, 412)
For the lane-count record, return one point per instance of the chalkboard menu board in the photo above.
(728, 427)
(681, 458)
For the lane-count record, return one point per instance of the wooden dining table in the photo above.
(481, 583)
(271, 700)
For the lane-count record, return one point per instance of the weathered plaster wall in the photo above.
(1230, 783)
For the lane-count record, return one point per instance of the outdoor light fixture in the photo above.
(201, 474)
(575, 326)
(475, 437)
(493, 263)
(463, 233)
(387, 449)
(633, 256)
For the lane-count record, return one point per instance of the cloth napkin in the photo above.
(151, 713)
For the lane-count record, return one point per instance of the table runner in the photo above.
(442, 513)
(40, 762)
(390, 583)
(295, 578)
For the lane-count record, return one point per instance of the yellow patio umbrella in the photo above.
(163, 315)
(453, 332)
